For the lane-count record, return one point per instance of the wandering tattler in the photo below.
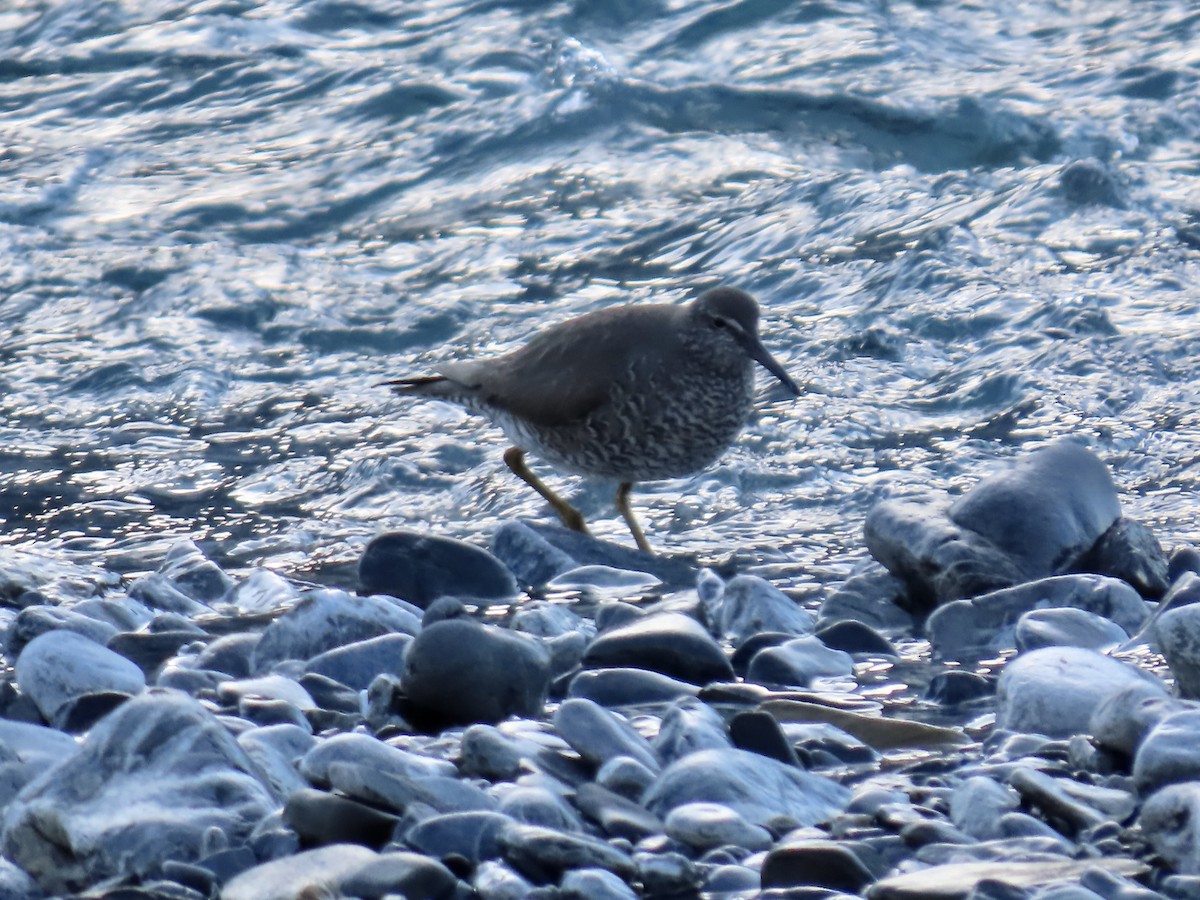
(637, 393)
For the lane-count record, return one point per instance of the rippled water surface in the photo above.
(975, 227)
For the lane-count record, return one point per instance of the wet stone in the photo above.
(420, 568)
(1178, 633)
(57, 668)
(1167, 754)
(703, 826)
(399, 873)
(598, 735)
(543, 855)
(669, 643)
(761, 790)
(497, 881)
(628, 687)
(1045, 510)
(328, 618)
(148, 784)
(473, 835)
(625, 776)
(321, 818)
(854, 637)
(232, 654)
(759, 732)
(1054, 691)
(387, 791)
(362, 749)
(688, 726)
(535, 805)
(828, 864)
(193, 574)
(988, 622)
(798, 662)
(34, 621)
(1066, 628)
(747, 605)
(871, 597)
(459, 671)
(308, 873)
(1129, 551)
(356, 665)
(616, 815)
(595, 884)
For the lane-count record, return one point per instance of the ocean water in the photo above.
(974, 227)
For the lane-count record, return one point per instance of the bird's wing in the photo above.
(568, 371)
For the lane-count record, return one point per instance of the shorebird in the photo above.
(638, 392)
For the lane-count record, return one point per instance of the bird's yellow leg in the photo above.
(627, 514)
(514, 458)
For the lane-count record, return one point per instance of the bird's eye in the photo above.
(718, 323)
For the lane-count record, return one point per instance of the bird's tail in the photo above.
(422, 385)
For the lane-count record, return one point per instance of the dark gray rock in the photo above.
(58, 667)
(472, 835)
(873, 597)
(1055, 690)
(401, 874)
(1129, 551)
(955, 686)
(669, 643)
(543, 855)
(747, 605)
(459, 671)
(321, 818)
(823, 863)
(759, 732)
(327, 618)
(356, 665)
(535, 805)
(616, 815)
(1089, 182)
(1046, 510)
(625, 776)
(420, 568)
(628, 687)
(937, 560)
(232, 654)
(528, 549)
(854, 637)
(987, 622)
(150, 783)
(797, 662)
(309, 874)
(532, 558)
(598, 735)
(761, 790)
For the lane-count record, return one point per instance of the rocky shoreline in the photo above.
(687, 733)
